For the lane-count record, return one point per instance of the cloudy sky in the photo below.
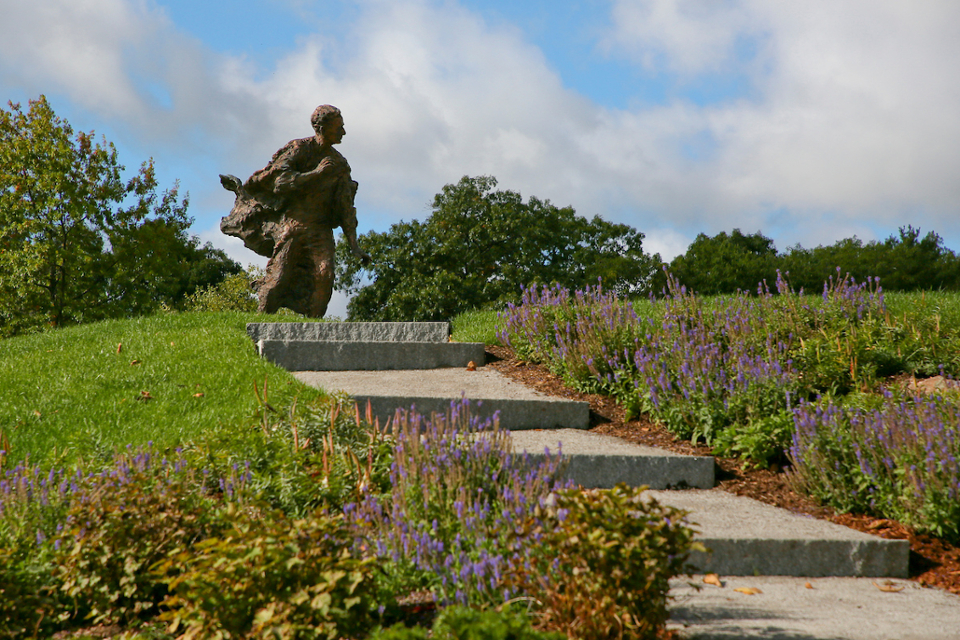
(809, 121)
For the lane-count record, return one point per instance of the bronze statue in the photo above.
(288, 210)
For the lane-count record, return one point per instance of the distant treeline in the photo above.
(905, 261)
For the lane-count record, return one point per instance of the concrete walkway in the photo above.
(830, 608)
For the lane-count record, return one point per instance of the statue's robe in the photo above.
(288, 211)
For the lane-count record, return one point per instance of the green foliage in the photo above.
(726, 263)
(271, 577)
(26, 601)
(904, 262)
(308, 454)
(604, 563)
(760, 440)
(478, 248)
(115, 531)
(895, 455)
(234, 293)
(77, 242)
(464, 623)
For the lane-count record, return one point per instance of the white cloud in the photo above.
(852, 114)
(850, 124)
(683, 36)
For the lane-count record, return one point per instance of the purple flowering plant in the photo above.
(725, 370)
(82, 541)
(894, 455)
(457, 489)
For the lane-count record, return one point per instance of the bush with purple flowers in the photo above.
(456, 489)
(895, 456)
(725, 370)
(81, 543)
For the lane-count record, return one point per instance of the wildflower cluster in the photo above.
(456, 488)
(894, 456)
(81, 543)
(697, 368)
(725, 370)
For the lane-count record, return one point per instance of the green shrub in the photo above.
(268, 576)
(120, 523)
(301, 455)
(463, 623)
(760, 441)
(28, 606)
(604, 563)
(233, 293)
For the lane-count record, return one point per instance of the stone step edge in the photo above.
(437, 332)
(605, 471)
(369, 356)
(516, 414)
(747, 537)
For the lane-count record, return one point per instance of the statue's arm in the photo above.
(346, 192)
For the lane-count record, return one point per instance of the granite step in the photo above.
(350, 331)
(343, 355)
(748, 538)
(597, 461)
(432, 391)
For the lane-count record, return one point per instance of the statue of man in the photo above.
(288, 211)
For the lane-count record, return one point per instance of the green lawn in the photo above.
(72, 392)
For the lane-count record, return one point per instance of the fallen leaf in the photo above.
(808, 585)
(198, 395)
(36, 413)
(145, 395)
(889, 587)
(134, 363)
(878, 524)
(750, 591)
(171, 344)
(712, 578)
(119, 347)
(471, 366)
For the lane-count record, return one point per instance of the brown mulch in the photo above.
(933, 562)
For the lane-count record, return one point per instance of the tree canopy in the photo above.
(726, 263)
(77, 241)
(479, 247)
(904, 262)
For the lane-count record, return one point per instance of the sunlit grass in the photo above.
(476, 326)
(86, 390)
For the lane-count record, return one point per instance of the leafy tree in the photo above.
(480, 247)
(77, 241)
(903, 262)
(726, 263)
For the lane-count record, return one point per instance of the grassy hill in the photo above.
(86, 390)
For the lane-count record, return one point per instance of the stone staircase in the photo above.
(399, 365)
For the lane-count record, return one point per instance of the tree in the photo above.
(79, 243)
(480, 247)
(726, 263)
(903, 262)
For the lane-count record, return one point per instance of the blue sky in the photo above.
(809, 121)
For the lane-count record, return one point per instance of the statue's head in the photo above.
(327, 122)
